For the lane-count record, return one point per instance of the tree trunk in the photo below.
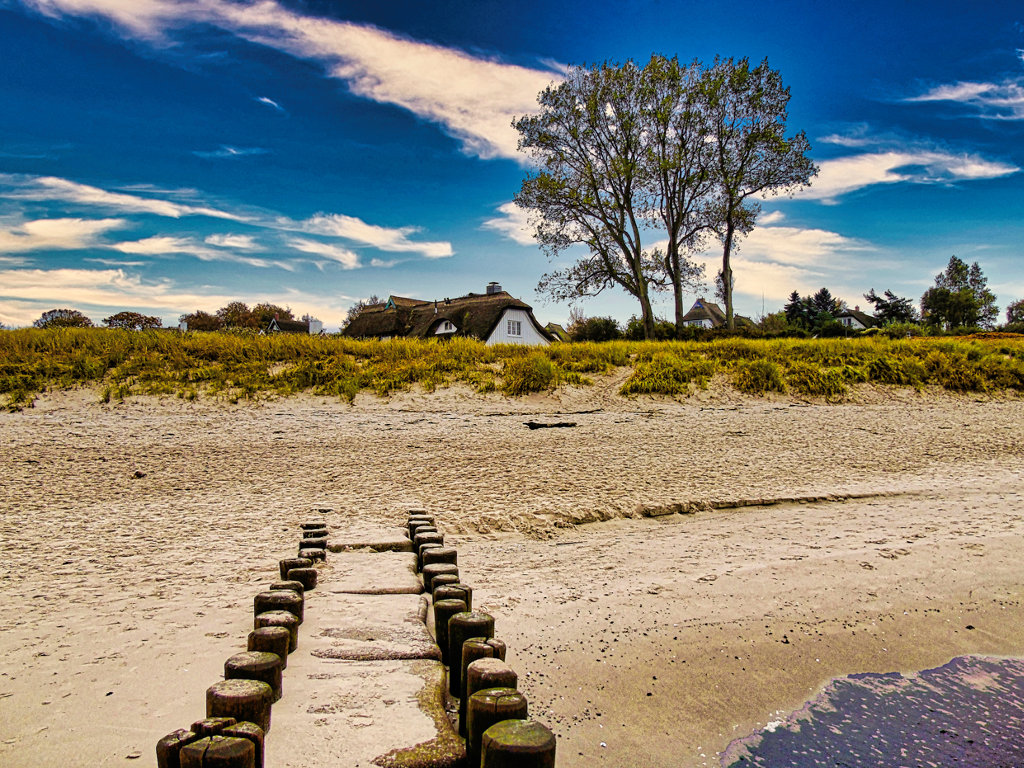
(677, 287)
(646, 311)
(730, 229)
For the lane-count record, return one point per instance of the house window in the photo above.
(515, 328)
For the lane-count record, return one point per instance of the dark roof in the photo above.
(557, 331)
(475, 314)
(705, 310)
(864, 319)
(288, 326)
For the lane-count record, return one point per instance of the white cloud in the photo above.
(473, 98)
(29, 292)
(164, 245)
(51, 188)
(343, 256)
(155, 246)
(270, 103)
(383, 238)
(55, 234)
(243, 242)
(512, 222)
(846, 174)
(382, 264)
(226, 152)
(996, 101)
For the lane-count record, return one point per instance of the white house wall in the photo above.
(530, 335)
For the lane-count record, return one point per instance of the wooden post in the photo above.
(168, 749)
(292, 562)
(241, 699)
(253, 733)
(312, 525)
(517, 744)
(255, 665)
(219, 752)
(474, 648)
(444, 610)
(285, 619)
(313, 554)
(498, 646)
(487, 707)
(294, 586)
(271, 640)
(441, 555)
(436, 569)
(279, 600)
(315, 533)
(306, 576)
(446, 589)
(461, 627)
(212, 726)
(423, 548)
(319, 542)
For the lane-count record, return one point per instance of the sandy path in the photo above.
(123, 595)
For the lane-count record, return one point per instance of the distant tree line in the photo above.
(237, 315)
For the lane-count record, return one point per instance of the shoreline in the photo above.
(140, 585)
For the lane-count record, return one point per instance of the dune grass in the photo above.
(241, 366)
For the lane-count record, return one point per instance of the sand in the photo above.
(135, 534)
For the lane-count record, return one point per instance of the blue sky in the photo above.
(164, 156)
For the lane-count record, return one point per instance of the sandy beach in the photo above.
(882, 534)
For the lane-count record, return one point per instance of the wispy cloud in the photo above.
(394, 239)
(270, 103)
(226, 152)
(165, 245)
(384, 264)
(512, 222)
(845, 174)
(55, 234)
(343, 256)
(52, 188)
(993, 101)
(242, 242)
(473, 98)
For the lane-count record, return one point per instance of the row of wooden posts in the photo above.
(238, 708)
(493, 715)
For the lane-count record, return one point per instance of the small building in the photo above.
(307, 324)
(707, 314)
(494, 317)
(557, 332)
(854, 319)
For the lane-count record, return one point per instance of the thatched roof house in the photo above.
(709, 315)
(855, 319)
(495, 317)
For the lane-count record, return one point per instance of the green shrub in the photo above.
(810, 379)
(758, 377)
(667, 374)
(530, 373)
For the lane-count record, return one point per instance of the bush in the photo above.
(596, 329)
(667, 374)
(758, 377)
(809, 379)
(530, 373)
(663, 329)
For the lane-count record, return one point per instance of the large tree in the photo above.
(890, 308)
(747, 107)
(1015, 312)
(960, 297)
(682, 168)
(592, 186)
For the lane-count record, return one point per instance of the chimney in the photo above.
(492, 288)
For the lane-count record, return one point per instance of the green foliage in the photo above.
(758, 377)
(1015, 312)
(596, 329)
(133, 321)
(62, 318)
(667, 373)
(663, 329)
(530, 373)
(810, 379)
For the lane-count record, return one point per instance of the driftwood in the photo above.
(549, 425)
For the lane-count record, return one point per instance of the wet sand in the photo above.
(135, 535)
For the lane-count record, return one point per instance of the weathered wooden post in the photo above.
(487, 707)
(285, 619)
(498, 646)
(446, 589)
(440, 555)
(423, 548)
(256, 665)
(168, 749)
(212, 726)
(436, 569)
(253, 733)
(271, 640)
(293, 562)
(305, 576)
(294, 586)
(517, 744)
(241, 699)
(443, 611)
(313, 554)
(279, 600)
(318, 542)
(461, 627)
(474, 648)
(315, 533)
(219, 752)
